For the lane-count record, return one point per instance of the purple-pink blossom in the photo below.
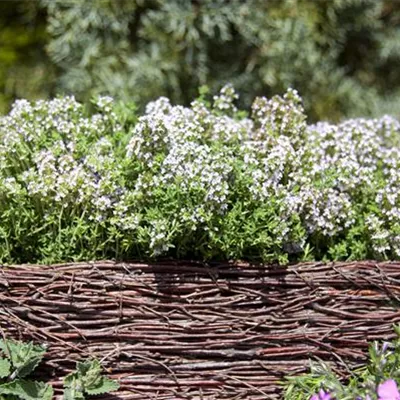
(388, 390)
(322, 395)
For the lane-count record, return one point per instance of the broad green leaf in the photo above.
(87, 379)
(70, 379)
(87, 374)
(24, 357)
(105, 385)
(28, 367)
(27, 390)
(5, 368)
(71, 394)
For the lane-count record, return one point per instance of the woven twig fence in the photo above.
(192, 331)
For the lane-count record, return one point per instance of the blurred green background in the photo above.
(341, 55)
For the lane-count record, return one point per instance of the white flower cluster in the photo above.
(54, 154)
(225, 100)
(279, 116)
(174, 143)
(356, 162)
(320, 172)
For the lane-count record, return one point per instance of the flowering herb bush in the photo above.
(375, 381)
(205, 181)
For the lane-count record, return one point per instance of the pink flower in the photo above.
(322, 396)
(388, 390)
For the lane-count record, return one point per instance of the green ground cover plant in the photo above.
(377, 380)
(21, 359)
(206, 181)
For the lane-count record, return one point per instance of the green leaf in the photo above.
(105, 385)
(70, 379)
(89, 372)
(87, 379)
(72, 394)
(28, 367)
(5, 368)
(9, 397)
(24, 357)
(396, 329)
(27, 390)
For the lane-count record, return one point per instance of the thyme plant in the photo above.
(205, 181)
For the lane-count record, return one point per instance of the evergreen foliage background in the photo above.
(341, 55)
(25, 68)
